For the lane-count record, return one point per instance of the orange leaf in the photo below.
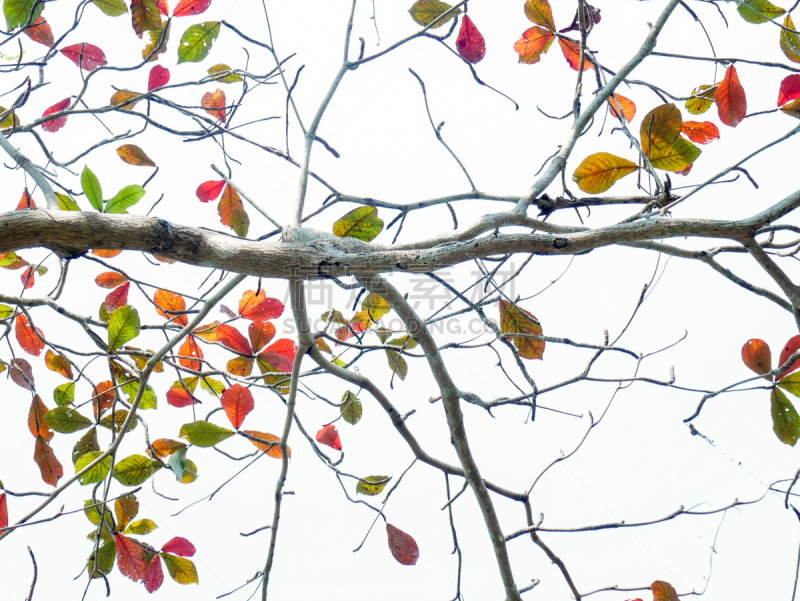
(166, 446)
(329, 436)
(117, 298)
(515, 320)
(232, 339)
(207, 332)
(167, 302)
(190, 348)
(28, 278)
(533, 44)
(621, 105)
(260, 333)
(270, 444)
(58, 364)
(572, 52)
(240, 366)
(36, 423)
(757, 356)
(731, 99)
(792, 345)
(259, 307)
(470, 43)
(663, 591)
(102, 397)
(25, 202)
(110, 279)
(214, 104)
(230, 200)
(49, 466)
(403, 546)
(237, 402)
(27, 338)
(40, 32)
(700, 133)
(133, 155)
(105, 254)
(131, 558)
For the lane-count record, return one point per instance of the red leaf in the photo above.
(188, 8)
(21, 373)
(117, 298)
(167, 302)
(154, 576)
(180, 397)
(214, 104)
(179, 546)
(40, 32)
(228, 203)
(27, 338)
(36, 423)
(275, 361)
(28, 278)
(190, 348)
(53, 125)
(789, 348)
(790, 89)
(131, 558)
(258, 307)
(260, 333)
(46, 460)
(85, 56)
(730, 98)
(3, 511)
(470, 43)
(110, 279)
(209, 190)
(159, 77)
(285, 347)
(232, 339)
(700, 133)
(403, 546)
(25, 201)
(329, 436)
(102, 397)
(163, 8)
(572, 52)
(237, 402)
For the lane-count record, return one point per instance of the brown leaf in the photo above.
(133, 155)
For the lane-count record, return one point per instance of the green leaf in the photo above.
(790, 40)
(97, 473)
(92, 513)
(112, 8)
(350, 408)
(123, 326)
(758, 11)
(361, 223)
(86, 444)
(204, 434)
(397, 364)
(196, 42)
(5, 312)
(240, 222)
(105, 560)
(177, 461)
(17, 12)
(65, 203)
(134, 470)
(181, 569)
(92, 189)
(119, 418)
(141, 527)
(149, 398)
(425, 12)
(372, 489)
(785, 420)
(125, 199)
(66, 421)
(791, 383)
(223, 68)
(375, 306)
(677, 156)
(698, 106)
(405, 342)
(212, 386)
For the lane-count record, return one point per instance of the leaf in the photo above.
(663, 591)
(91, 188)
(102, 397)
(104, 562)
(425, 12)
(125, 509)
(196, 42)
(731, 99)
(758, 11)
(362, 223)
(258, 307)
(64, 394)
(397, 364)
(3, 511)
(110, 279)
(27, 278)
(372, 489)
(178, 396)
(53, 125)
(207, 332)
(179, 546)
(232, 339)
(141, 527)
(470, 43)
(123, 326)
(37, 425)
(214, 104)
(514, 319)
(204, 434)
(540, 13)
(677, 157)
(790, 41)
(21, 373)
(270, 444)
(240, 222)
(154, 575)
(323, 346)
(65, 203)
(790, 89)
(225, 75)
(703, 101)
(131, 558)
(133, 155)
(40, 32)
(149, 51)
(97, 473)
(350, 408)
(533, 44)
(240, 366)
(58, 364)
(144, 16)
(285, 348)
(158, 78)
(5, 312)
(212, 386)
(792, 345)
(660, 128)
(49, 466)
(87, 443)
(117, 298)
(133, 470)
(17, 12)
(757, 356)
(260, 333)
(190, 348)
(168, 303)
(403, 547)
(189, 8)
(125, 199)
(105, 254)
(792, 108)
(590, 14)
(29, 340)
(619, 105)
(329, 436)
(166, 446)
(182, 570)
(572, 52)
(10, 121)
(85, 56)
(599, 171)
(229, 202)
(112, 8)
(237, 402)
(209, 190)
(701, 133)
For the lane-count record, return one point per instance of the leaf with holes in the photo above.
(144, 16)
(110, 279)
(214, 104)
(40, 32)
(66, 421)
(534, 42)
(702, 101)
(362, 223)
(95, 474)
(757, 356)
(149, 51)
(350, 408)
(117, 298)
(731, 99)
(131, 558)
(403, 546)
(154, 575)
(125, 509)
(196, 42)
(700, 133)
(85, 56)
(190, 8)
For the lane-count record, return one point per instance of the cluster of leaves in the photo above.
(231, 208)
(758, 12)
(470, 43)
